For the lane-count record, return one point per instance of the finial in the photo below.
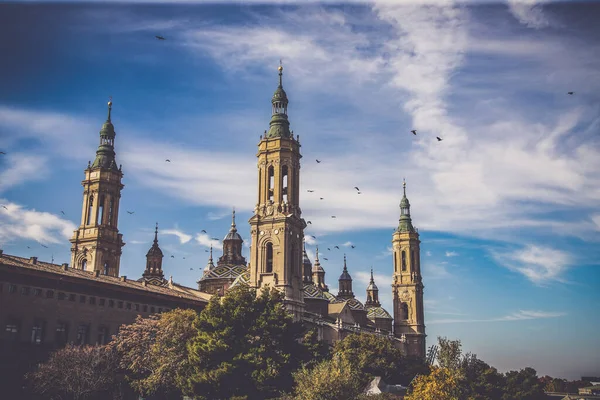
(109, 106)
(233, 218)
(404, 185)
(317, 254)
(371, 274)
(280, 69)
(345, 269)
(211, 252)
(156, 233)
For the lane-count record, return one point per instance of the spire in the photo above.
(345, 275)
(345, 283)
(405, 223)
(318, 274)
(306, 264)
(156, 235)
(372, 293)
(154, 259)
(279, 125)
(210, 265)
(233, 228)
(105, 155)
(155, 249)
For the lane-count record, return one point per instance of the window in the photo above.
(111, 303)
(111, 207)
(137, 307)
(11, 331)
(106, 268)
(37, 332)
(12, 288)
(271, 182)
(145, 308)
(128, 306)
(412, 260)
(100, 214)
(120, 304)
(159, 310)
(37, 292)
(101, 302)
(61, 295)
(404, 309)
(72, 297)
(82, 299)
(269, 260)
(61, 334)
(90, 209)
(83, 264)
(102, 337)
(152, 310)
(25, 291)
(82, 333)
(284, 183)
(49, 294)
(403, 260)
(92, 300)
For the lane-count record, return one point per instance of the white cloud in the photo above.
(428, 253)
(451, 254)
(537, 263)
(183, 237)
(520, 315)
(16, 222)
(364, 278)
(310, 240)
(347, 244)
(22, 167)
(435, 271)
(596, 220)
(205, 240)
(212, 216)
(529, 13)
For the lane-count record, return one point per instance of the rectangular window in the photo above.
(145, 308)
(102, 302)
(159, 310)
(102, 337)
(72, 297)
(152, 310)
(137, 307)
(61, 295)
(25, 291)
(11, 331)
(111, 303)
(82, 299)
(12, 288)
(37, 332)
(37, 292)
(62, 333)
(92, 300)
(82, 334)
(49, 294)
(120, 304)
(128, 306)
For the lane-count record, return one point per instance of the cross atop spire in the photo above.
(156, 234)
(233, 219)
(280, 69)
(109, 107)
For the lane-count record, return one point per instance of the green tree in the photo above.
(244, 345)
(523, 385)
(334, 379)
(449, 353)
(479, 381)
(440, 384)
(315, 350)
(153, 351)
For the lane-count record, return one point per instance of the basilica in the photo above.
(87, 300)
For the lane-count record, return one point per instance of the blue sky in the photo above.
(507, 204)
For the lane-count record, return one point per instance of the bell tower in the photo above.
(407, 287)
(277, 227)
(96, 245)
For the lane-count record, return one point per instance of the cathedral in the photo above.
(90, 295)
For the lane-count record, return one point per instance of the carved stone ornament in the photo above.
(269, 210)
(405, 296)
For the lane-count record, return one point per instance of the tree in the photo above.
(76, 373)
(315, 350)
(449, 353)
(479, 381)
(329, 380)
(153, 351)
(440, 384)
(243, 338)
(523, 385)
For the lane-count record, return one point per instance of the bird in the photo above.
(1, 152)
(309, 223)
(167, 160)
(130, 212)
(314, 237)
(191, 269)
(43, 246)
(328, 249)
(326, 259)
(206, 251)
(320, 198)
(438, 138)
(414, 132)
(333, 216)
(357, 189)
(358, 192)
(62, 212)
(571, 93)
(172, 256)
(184, 258)
(353, 246)
(310, 191)
(28, 247)
(6, 208)
(160, 37)
(214, 238)
(203, 231)
(318, 161)
(336, 247)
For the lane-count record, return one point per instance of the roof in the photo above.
(377, 312)
(335, 309)
(175, 290)
(243, 279)
(311, 291)
(332, 298)
(224, 272)
(355, 304)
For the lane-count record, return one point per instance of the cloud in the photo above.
(596, 220)
(204, 240)
(539, 264)
(309, 240)
(529, 13)
(212, 216)
(16, 222)
(451, 254)
(520, 315)
(365, 277)
(22, 167)
(428, 253)
(435, 271)
(183, 237)
(347, 244)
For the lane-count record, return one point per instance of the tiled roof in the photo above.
(311, 291)
(332, 298)
(224, 272)
(242, 279)
(174, 290)
(355, 304)
(377, 312)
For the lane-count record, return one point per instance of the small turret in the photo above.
(279, 125)
(232, 246)
(105, 155)
(345, 283)
(154, 259)
(372, 293)
(306, 265)
(318, 273)
(405, 223)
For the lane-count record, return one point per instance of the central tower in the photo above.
(277, 227)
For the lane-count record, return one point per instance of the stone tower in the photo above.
(345, 284)
(96, 245)
(372, 293)
(407, 287)
(318, 274)
(154, 258)
(277, 227)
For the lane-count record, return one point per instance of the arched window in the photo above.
(83, 264)
(90, 208)
(395, 263)
(111, 208)
(404, 309)
(271, 182)
(403, 260)
(412, 260)
(269, 260)
(284, 183)
(100, 210)
(106, 268)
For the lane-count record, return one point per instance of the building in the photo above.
(86, 301)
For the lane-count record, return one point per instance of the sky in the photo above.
(507, 204)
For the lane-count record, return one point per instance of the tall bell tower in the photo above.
(96, 245)
(277, 227)
(407, 287)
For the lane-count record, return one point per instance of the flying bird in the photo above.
(184, 258)
(353, 246)
(172, 256)
(28, 247)
(438, 138)
(1, 152)
(309, 223)
(160, 37)
(326, 259)
(336, 247)
(357, 189)
(333, 216)
(414, 132)
(314, 237)
(310, 191)
(328, 249)
(318, 161)
(167, 160)
(214, 238)
(358, 192)
(43, 246)
(320, 198)
(130, 212)
(191, 269)
(571, 93)
(6, 208)
(202, 231)
(62, 212)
